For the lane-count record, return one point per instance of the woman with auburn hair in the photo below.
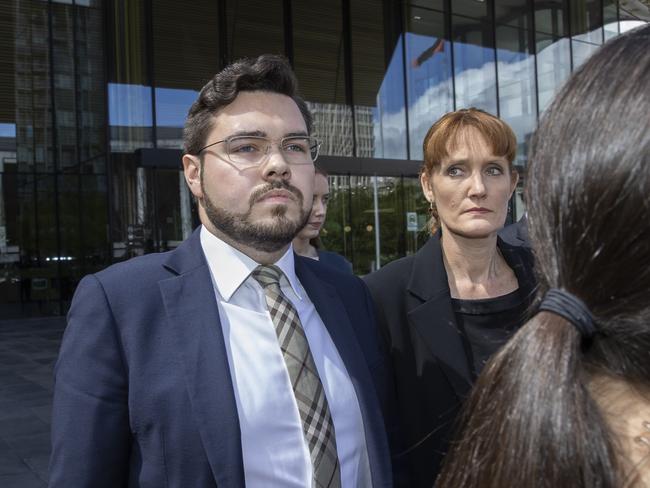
(566, 403)
(445, 310)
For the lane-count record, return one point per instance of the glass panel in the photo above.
(254, 27)
(402, 211)
(581, 52)
(512, 12)
(517, 90)
(478, 9)
(429, 74)
(319, 66)
(474, 66)
(165, 219)
(368, 55)
(553, 67)
(185, 57)
(64, 86)
(35, 240)
(390, 117)
(587, 20)
(90, 91)
(633, 12)
(551, 18)
(94, 223)
(25, 83)
(610, 18)
(129, 88)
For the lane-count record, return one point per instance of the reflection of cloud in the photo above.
(436, 100)
(476, 87)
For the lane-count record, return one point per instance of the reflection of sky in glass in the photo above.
(475, 76)
(7, 130)
(389, 118)
(129, 105)
(172, 105)
(430, 89)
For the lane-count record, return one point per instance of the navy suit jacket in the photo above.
(143, 394)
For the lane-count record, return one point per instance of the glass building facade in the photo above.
(94, 93)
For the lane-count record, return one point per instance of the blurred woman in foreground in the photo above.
(566, 403)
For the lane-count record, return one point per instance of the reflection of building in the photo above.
(93, 94)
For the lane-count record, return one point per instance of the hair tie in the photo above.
(569, 306)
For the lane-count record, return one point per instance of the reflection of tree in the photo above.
(351, 205)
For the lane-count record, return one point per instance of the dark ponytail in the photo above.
(531, 395)
(533, 420)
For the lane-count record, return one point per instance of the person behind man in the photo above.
(229, 361)
(566, 403)
(307, 242)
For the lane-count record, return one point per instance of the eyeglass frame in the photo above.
(271, 142)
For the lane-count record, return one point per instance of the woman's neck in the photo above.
(475, 268)
(626, 408)
(304, 248)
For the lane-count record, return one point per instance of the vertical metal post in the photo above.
(375, 199)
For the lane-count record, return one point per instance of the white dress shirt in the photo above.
(273, 445)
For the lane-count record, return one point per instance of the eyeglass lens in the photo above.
(249, 150)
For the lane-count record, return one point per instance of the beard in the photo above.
(265, 237)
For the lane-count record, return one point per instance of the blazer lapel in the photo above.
(433, 318)
(193, 317)
(332, 312)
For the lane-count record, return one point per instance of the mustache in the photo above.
(276, 185)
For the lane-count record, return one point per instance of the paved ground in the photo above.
(28, 349)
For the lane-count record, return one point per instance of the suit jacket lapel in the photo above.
(193, 317)
(332, 312)
(433, 318)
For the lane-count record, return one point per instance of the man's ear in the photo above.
(192, 172)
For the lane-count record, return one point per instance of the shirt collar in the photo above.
(230, 267)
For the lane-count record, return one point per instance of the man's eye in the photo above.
(295, 147)
(243, 148)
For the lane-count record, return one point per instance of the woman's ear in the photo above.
(514, 179)
(425, 182)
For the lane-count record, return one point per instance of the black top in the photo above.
(486, 324)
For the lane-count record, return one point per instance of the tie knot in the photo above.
(267, 275)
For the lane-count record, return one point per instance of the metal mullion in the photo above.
(75, 70)
(492, 9)
(405, 83)
(55, 155)
(346, 26)
(448, 28)
(287, 24)
(108, 40)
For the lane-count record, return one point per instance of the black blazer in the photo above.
(431, 368)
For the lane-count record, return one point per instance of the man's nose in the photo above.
(275, 166)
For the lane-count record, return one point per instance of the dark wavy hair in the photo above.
(532, 419)
(267, 72)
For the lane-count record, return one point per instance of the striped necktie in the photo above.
(317, 424)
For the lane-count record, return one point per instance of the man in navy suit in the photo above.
(173, 370)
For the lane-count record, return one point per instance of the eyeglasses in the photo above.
(246, 151)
